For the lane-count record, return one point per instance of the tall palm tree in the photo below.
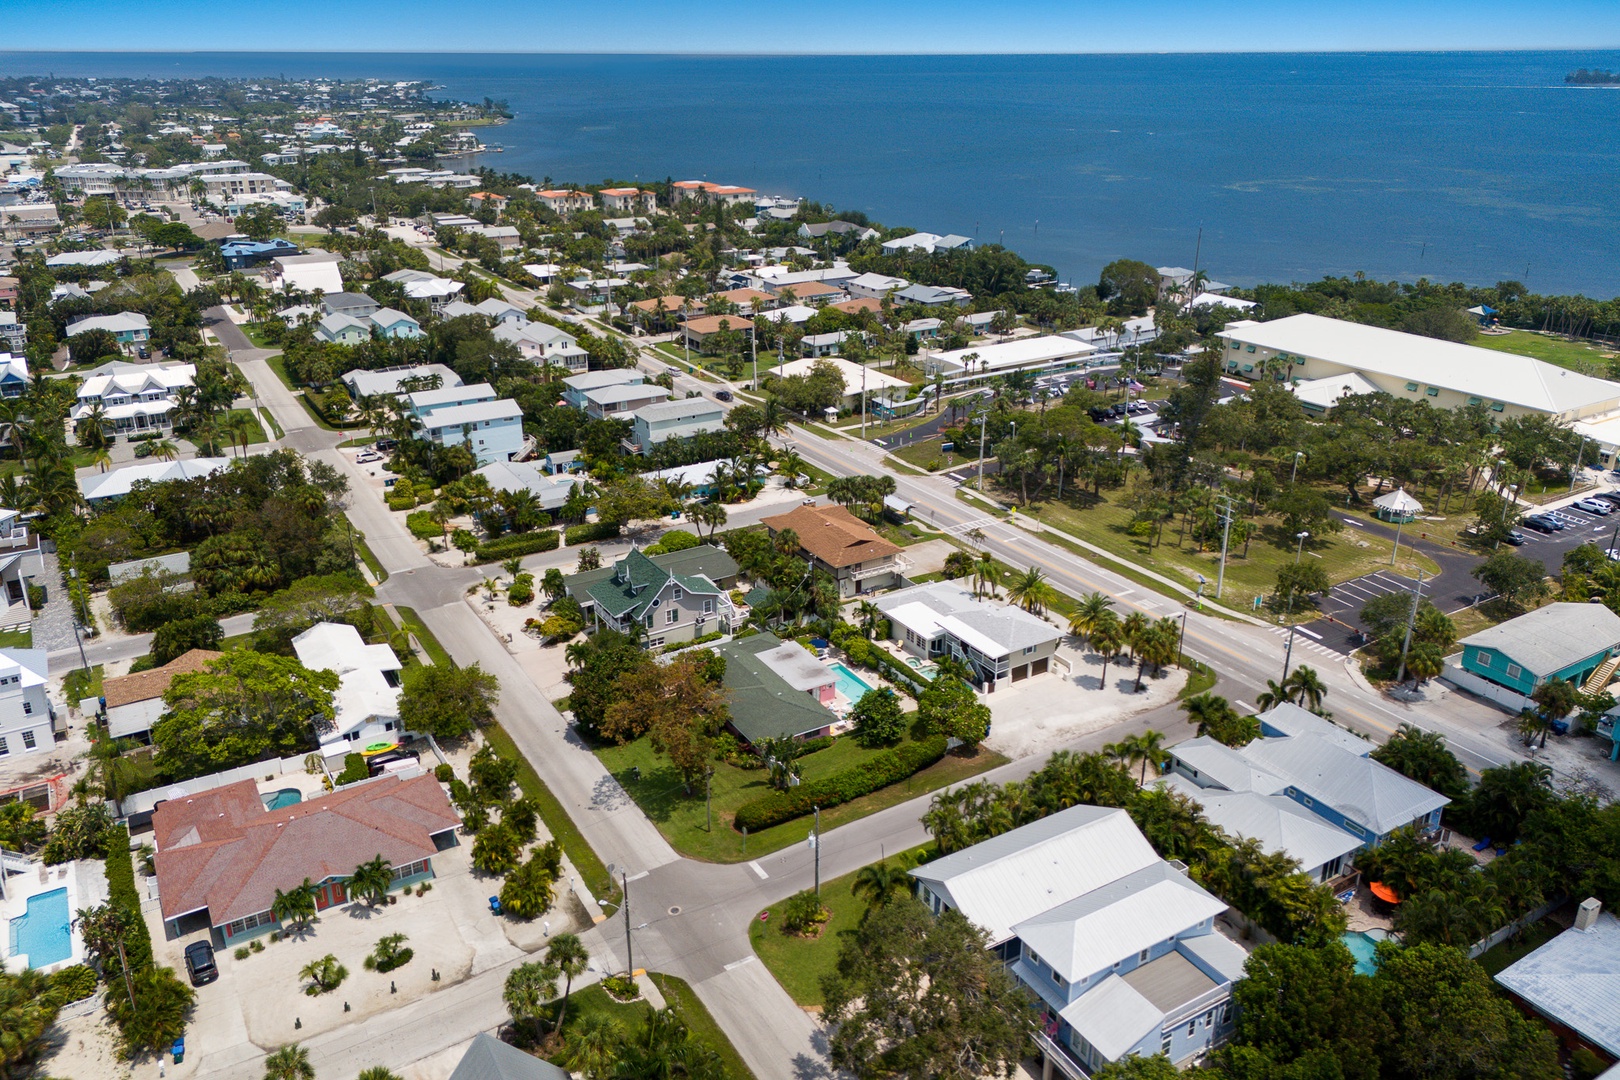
(101, 459)
(290, 1062)
(567, 954)
(1092, 607)
(1149, 750)
(165, 450)
(870, 615)
(880, 883)
(1272, 696)
(1305, 688)
(1205, 711)
(1135, 628)
(1107, 639)
(1032, 592)
(985, 574)
(791, 465)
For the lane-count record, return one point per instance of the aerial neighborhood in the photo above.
(460, 625)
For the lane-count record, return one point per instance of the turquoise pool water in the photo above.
(276, 800)
(849, 684)
(43, 932)
(1364, 948)
(925, 668)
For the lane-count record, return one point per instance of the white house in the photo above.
(543, 343)
(855, 376)
(997, 642)
(20, 563)
(1024, 354)
(492, 430)
(575, 387)
(115, 484)
(927, 242)
(27, 720)
(130, 328)
(366, 705)
(132, 397)
(653, 424)
(364, 384)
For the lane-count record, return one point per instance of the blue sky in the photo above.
(811, 26)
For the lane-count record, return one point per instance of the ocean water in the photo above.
(1471, 167)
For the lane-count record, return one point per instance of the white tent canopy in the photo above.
(1398, 502)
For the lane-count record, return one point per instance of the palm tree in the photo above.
(1032, 592)
(240, 426)
(1092, 608)
(1107, 638)
(880, 883)
(101, 459)
(1272, 696)
(291, 1062)
(985, 574)
(165, 450)
(790, 464)
(326, 973)
(567, 954)
(870, 615)
(26, 1013)
(377, 1072)
(592, 1045)
(1150, 751)
(1305, 688)
(528, 987)
(371, 880)
(296, 906)
(1205, 711)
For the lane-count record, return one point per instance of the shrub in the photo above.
(521, 591)
(877, 772)
(803, 913)
(256, 945)
(401, 502)
(589, 534)
(72, 983)
(701, 639)
(36, 596)
(121, 891)
(810, 746)
(444, 773)
(354, 770)
(242, 952)
(422, 526)
(389, 954)
(621, 986)
(515, 545)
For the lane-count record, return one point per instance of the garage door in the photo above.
(1041, 666)
(1019, 674)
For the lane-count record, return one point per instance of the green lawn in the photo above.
(81, 683)
(679, 996)
(430, 644)
(256, 434)
(681, 818)
(352, 443)
(930, 454)
(1250, 574)
(255, 333)
(17, 639)
(369, 557)
(800, 962)
(278, 364)
(1512, 950)
(1575, 355)
(270, 418)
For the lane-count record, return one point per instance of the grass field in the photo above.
(279, 365)
(1250, 574)
(256, 434)
(1513, 950)
(930, 454)
(632, 1015)
(255, 333)
(799, 962)
(16, 639)
(1575, 355)
(681, 818)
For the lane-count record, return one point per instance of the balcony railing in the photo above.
(895, 564)
(19, 538)
(1059, 1056)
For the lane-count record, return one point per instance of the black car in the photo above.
(200, 963)
(1540, 524)
(723, 395)
(385, 444)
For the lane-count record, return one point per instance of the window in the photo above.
(1433, 391)
(1141, 957)
(1307, 801)
(4, 749)
(1192, 1026)
(676, 595)
(1031, 649)
(1249, 349)
(1164, 1046)
(28, 708)
(672, 616)
(1514, 671)
(1411, 386)
(1237, 345)
(1484, 659)
(1062, 983)
(1496, 406)
(656, 643)
(1355, 830)
(28, 740)
(1117, 963)
(1299, 360)
(708, 607)
(1473, 401)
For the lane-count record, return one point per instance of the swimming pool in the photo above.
(278, 800)
(925, 668)
(849, 684)
(43, 933)
(1364, 947)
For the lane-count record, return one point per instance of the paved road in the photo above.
(706, 941)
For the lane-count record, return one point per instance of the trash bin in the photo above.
(179, 1050)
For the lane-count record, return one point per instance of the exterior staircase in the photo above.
(1601, 678)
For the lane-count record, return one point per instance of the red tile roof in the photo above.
(222, 850)
(833, 535)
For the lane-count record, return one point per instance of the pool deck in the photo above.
(86, 884)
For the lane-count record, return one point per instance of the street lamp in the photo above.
(1301, 537)
(1295, 471)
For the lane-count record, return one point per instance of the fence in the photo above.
(1500, 696)
(1491, 941)
(143, 801)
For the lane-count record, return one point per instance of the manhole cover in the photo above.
(675, 910)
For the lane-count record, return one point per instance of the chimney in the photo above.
(1586, 916)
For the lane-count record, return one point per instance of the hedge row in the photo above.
(880, 771)
(588, 534)
(508, 547)
(121, 891)
(423, 527)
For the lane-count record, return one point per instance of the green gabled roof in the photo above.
(639, 571)
(700, 585)
(704, 561)
(762, 703)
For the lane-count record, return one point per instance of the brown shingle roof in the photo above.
(222, 850)
(744, 297)
(705, 325)
(833, 535)
(672, 304)
(864, 303)
(145, 685)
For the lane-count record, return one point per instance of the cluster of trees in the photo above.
(1151, 643)
(1267, 887)
(137, 286)
(621, 693)
(505, 831)
(796, 588)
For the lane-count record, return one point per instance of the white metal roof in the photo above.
(941, 606)
(590, 380)
(1117, 920)
(1280, 824)
(851, 371)
(797, 667)
(1574, 980)
(1399, 502)
(428, 400)
(1016, 875)
(1010, 354)
(1326, 392)
(1113, 1017)
(1366, 792)
(1224, 767)
(111, 485)
(477, 412)
(1287, 719)
(1552, 637)
(1466, 369)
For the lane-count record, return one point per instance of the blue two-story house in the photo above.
(1118, 946)
(1558, 641)
(454, 415)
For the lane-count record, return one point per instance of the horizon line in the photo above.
(741, 53)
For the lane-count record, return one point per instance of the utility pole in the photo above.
(1577, 469)
(863, 401)
(1226, 535)
(982, 417)
(1411, 618)
(629, 956)
(753, 345)
(815, 845)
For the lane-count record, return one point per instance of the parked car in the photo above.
(1540, 524)
(1516, 538)
(722, 395)
(1610, 497)
(200, 963)
(386, 444)
(1595, 506)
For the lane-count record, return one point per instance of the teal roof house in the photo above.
(1559, 641)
